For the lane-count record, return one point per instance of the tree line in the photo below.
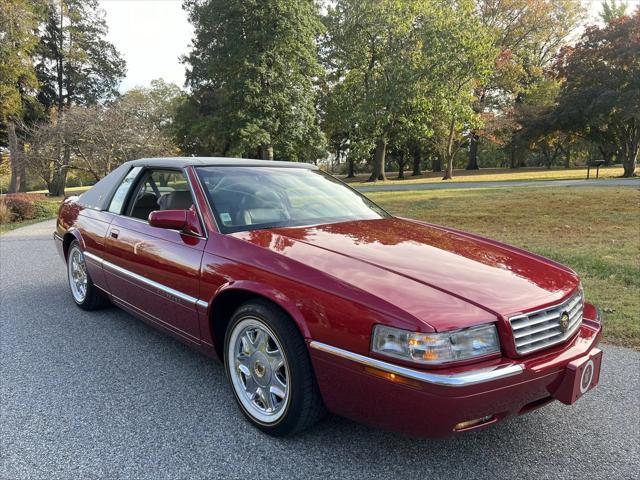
(367, 84)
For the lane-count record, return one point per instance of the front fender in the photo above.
(75, 233)
(266, 291)
(63, 241)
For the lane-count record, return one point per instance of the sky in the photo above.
(153, 34)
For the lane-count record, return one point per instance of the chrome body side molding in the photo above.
(150, 283)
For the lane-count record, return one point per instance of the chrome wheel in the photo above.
(258, 369)
(78, 278)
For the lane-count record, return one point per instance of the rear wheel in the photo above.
(86, 295)
(269, 369)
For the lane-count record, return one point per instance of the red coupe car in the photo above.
(315, 298)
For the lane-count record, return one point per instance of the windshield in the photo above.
(250, 198)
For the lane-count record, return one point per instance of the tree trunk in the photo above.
(607, 155)
(266, 151)
(417, 161)
(401, 161)
(336, 161)
(436, 164)
(59, 181)
(449, 154)
(546, 154)
(567, 158)
(378, 161)
(630, 165)
(448, 172)
(472, 164)
(16, 157)
(630, 154)
(351, 167)
(164, 180)
(513, 157)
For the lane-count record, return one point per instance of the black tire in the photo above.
(304, 407)
(94, 299)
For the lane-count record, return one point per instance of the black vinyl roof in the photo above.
(99, 196)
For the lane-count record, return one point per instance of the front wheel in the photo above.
(269, 369)
(84, 292)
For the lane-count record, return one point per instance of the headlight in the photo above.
(436, 348)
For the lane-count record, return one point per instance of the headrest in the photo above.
(177, 200)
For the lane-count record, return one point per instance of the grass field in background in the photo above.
(595, 231)
(482, 175)
(492, 175)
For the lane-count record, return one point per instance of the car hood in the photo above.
(407, 263)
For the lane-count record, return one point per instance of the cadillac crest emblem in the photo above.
(564, 322)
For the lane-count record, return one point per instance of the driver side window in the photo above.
(160, 190)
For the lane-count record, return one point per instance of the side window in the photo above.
(117, 202)
(160, 190)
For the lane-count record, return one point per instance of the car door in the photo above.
(93, 220)
(152, 271)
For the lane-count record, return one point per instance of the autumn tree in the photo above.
(528, 34)
(256, 62)
(75, 65)
(18, 21)
(601, 93)
(99, 138)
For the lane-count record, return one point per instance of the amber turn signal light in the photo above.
(392, 377)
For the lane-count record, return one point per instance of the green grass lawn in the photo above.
(595, 231)
(492, 175)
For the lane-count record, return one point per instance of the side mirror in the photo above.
(183, 220)
(171, 219)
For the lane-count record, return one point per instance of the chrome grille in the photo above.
(542, 328)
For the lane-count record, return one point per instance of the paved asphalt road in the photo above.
(605, 182)
(102, 395)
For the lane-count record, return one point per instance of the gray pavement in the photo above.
(605, 182)
(103, 395)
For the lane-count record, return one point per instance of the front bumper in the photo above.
(59, 242)
(432, 403)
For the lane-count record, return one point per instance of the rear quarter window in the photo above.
(117, 202)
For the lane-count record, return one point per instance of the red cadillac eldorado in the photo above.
(314, 298)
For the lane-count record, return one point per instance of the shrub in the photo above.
(4, 182)
(22, 205)
(47, 208)
(5, 213)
